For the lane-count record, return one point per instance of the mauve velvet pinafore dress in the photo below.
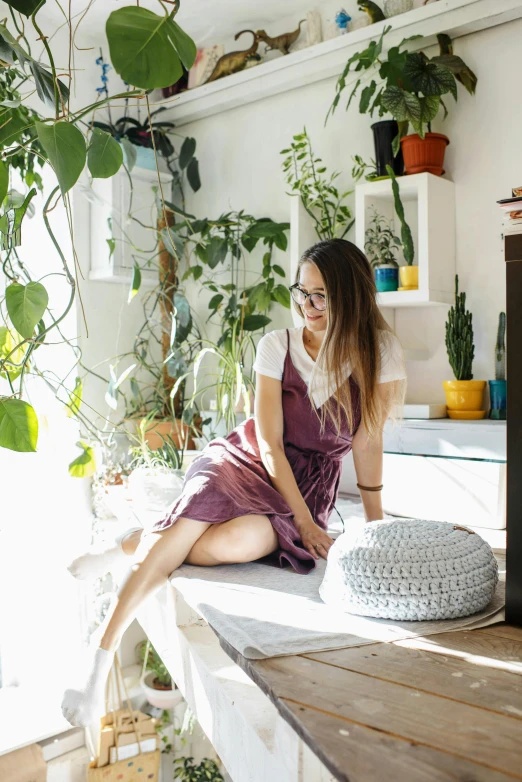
(229, 479)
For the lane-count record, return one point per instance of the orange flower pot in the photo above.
(424, 154)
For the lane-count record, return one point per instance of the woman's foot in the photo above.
(96, 562)
(85, 703)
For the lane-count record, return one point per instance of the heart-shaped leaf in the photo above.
(402, 105)
(429, 78)
(26, 305)
(9, 339)
(146, 49)
(85, 464)
(12, 123)
(18, 425)
(104, 156)
(65, 148)
(26, 7)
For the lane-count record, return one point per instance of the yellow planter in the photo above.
(409, 276)
(464, 398)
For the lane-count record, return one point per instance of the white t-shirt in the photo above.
(271, 352)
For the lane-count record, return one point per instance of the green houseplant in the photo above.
(156, 681)
(410, 87)
(381, 246)
(409, 274)
(463, 395)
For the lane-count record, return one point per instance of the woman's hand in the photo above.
(316, 541)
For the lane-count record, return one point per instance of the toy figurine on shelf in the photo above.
(281, 42)
(372, 9)
(233, 62)
(341, 20)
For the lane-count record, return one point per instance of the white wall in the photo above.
(241, 167)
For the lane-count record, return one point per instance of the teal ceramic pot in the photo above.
(386, 278)
(497, 399)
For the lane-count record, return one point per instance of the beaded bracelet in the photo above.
(370, 488)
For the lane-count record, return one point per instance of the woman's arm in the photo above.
(269, 431)
(368, 454)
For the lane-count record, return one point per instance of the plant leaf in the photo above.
(75, 398)
(193, 175)
(427, 77)
(18, 425)
(65, 148)
(4, 180)
(136, 282)
(43, 81)
(255, 322)
(104, 155)
(146, 49)
(187, 151)
(26, 305)
(85, 464)
(282, 295)
(217, 251)
(26, 7)
(402, 105)
(406, 236)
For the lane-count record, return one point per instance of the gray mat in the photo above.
(264, 611)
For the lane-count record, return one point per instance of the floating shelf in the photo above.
(327, 59)
(429, 206)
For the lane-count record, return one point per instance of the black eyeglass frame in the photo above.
(297, 287)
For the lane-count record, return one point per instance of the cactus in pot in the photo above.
(464, 395)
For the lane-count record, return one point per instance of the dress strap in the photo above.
(287, 340)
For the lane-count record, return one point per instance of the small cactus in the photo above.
(500, 349)
(459, 337)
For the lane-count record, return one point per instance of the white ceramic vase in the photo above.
(162, 699)
(396, 7)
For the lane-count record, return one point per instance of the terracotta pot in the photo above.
(464, 398)
(424, 154)
(176, 429)
(409, 276)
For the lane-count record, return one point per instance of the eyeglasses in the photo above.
(317, 300)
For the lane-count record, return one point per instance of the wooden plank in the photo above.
(502, 654)
(504, 631)
(356, 753)
(490, 739)
(466, 680)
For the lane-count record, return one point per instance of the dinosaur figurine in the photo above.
(233, 62)
(282, 42)
(372, 9)
(465, 75)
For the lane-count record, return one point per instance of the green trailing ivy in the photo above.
(18, 425)
(65, 148)
(104, 155)
(26, 305)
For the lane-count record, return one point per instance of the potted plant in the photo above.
(381, 246)
(156, 476)
(409, 274)
(464, 395)
(410, 87)
(156, 681)
(498, 387)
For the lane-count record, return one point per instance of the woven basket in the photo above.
(139, 768)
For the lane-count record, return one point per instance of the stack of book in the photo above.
(512, 211)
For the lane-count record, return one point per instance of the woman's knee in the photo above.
(243, 540)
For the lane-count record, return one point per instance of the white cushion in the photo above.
(410, 569)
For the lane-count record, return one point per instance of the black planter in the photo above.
(383, 134)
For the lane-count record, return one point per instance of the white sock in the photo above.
(98, 561)
(84, 704)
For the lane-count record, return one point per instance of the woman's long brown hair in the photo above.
(353, 333)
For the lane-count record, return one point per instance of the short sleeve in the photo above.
(392, 359)
(270, 356)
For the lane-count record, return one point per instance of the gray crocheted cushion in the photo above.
(410, 569)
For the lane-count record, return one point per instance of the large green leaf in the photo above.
(146, 49)
(255, 322)
(282, 295)
(193, 174)
(26, 304)
(4, 180)
(263, 228)
(65, 148)
(217, 251)
(429, 78)
(85, 464)
(186, 152)
(429, 108)
(12, 122)
(18, 425)
(26, 7)
(392, 69)
(9, 339)
(104, 156)
(402, 105)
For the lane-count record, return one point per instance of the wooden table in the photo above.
(436, 709)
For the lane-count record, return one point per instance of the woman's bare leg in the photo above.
(243, 539)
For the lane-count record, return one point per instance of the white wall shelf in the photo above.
(429, 206)
(327, 59)
(134, 242)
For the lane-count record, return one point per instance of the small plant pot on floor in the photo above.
(409, 277)
(464, 399)
(383, 134)
(497, 399)
(424, 155)
(386, 278)
(158, 695)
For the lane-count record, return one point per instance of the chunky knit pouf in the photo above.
(410, 569)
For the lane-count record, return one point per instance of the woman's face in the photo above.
(311, 281)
